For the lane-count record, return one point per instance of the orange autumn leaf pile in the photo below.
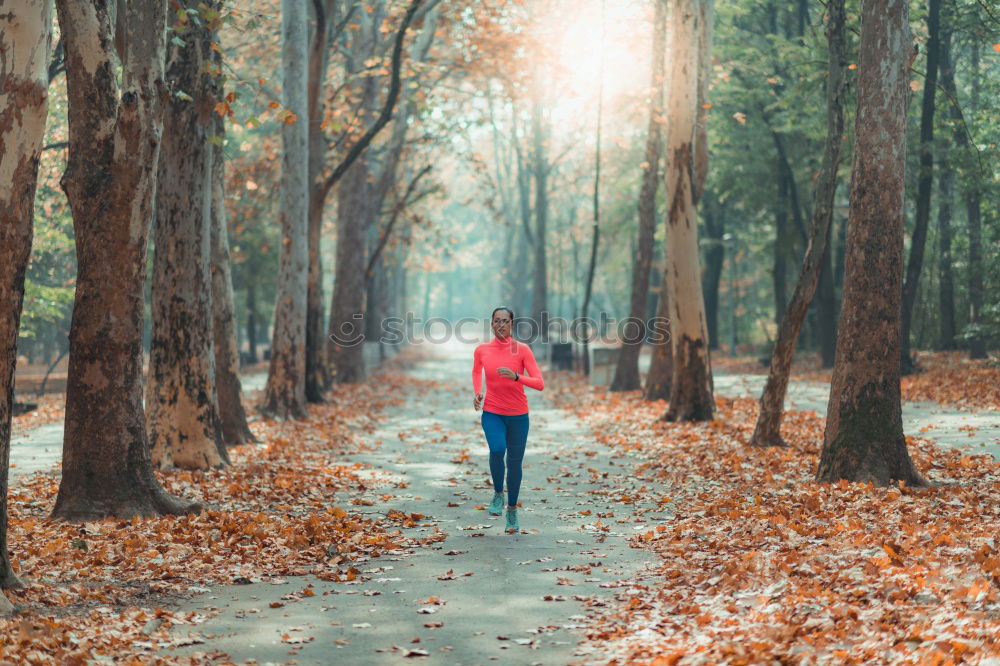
(950, 378)
(761, 564)
(282, 508)
(947, 378)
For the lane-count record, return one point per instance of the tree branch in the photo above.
(384, 236)
(387, 109)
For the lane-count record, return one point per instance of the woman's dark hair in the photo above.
(503, 307)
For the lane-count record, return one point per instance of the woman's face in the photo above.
(501, 324)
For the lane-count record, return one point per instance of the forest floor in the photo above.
(359, 536)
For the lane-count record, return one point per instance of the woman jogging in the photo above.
(509, 366)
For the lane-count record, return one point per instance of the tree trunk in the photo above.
(346, 341)
(977, 345)
(228, 386)
(779, 271)
(539, 294)
(25, 41)
(946, 281)
(925, 181)
(691, 387)
(627, 371)
(109, 181)
(285, 394)
(715, 258)
(317, 376)
(182, 413)
(827, 306)
(661, 365)
(864, 427)
(767, 431)
(251, 305)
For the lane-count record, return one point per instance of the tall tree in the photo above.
(110, 179)
(864, 427)
(317, 378)
(690, 47)
(946, 188)
(356, 209)
(925, 181)
(772, 402)
(228, 385)
(182, 412)
(285, 393)
(25, 41)
(541, 167)
(627, 370)
(971, 190)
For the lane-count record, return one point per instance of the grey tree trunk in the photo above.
(946, 188)
(285, 393)
(110, 179)
(540, 171)
(973, 198)
(317, 375)
(864, 428)
(972, 192)
(228, 386)
(25, 41)
(827, 306)
(182, 413)
(661, 365)
(691, 396)
(779, 270)
(627, 370)
(767, 431)
(925, 182)
(345, 345)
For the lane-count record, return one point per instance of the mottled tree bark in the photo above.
(925, 182)
(691, 388)
(110, 179)
(182, 413)
(228, 385)
(767, 431)
(627, 371)
(285, 393)
(25, 42)
(864, 427)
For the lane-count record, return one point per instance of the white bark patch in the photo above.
(25, 36)
(83, 15)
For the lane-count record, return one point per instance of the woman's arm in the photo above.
(477, 372)
(533, 378)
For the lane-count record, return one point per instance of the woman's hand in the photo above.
(506, 372)
(477, 402)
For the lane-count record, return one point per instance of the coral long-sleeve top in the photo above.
(505, 396)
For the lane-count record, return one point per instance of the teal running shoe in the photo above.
(513, 524)
(496, 506)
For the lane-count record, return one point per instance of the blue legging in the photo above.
(506, 434)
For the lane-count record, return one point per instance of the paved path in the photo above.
(40, 448)
(494, 588)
